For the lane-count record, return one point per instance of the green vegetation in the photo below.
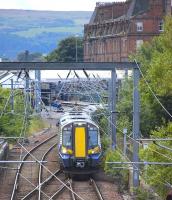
(156, 64)
(33, 32)
(159, 176)
(11, 123)
(26, 56)
(144, 194)
(36, 125)
(100, 116)
(102, 121)
(66, 50)
(117, 171)
(105, 142)
(15, 123)
(155, 59)
(124, 105)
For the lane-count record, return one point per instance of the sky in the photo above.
(58, 5)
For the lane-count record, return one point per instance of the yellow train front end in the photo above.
(80, 148)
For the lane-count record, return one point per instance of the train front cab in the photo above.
(80, 149)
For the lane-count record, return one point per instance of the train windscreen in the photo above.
(67, 138)
(93, 137)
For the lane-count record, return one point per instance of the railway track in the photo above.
(34, 182)
(51, 188)
(85, 190)
(27, 177)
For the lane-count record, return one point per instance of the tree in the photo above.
(125, 105)
(31, 57)
(155, 175)
(66, 50)
(16, 123)
(11, 122)
(156, 64)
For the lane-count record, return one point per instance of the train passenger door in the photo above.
(80, 142)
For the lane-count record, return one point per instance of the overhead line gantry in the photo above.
(99, 66)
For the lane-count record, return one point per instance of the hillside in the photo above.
(37, 31)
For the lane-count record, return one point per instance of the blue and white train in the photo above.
(79, 147)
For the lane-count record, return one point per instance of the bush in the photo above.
(142, 194)
(36, 125)
(105, 142)
(158, 176)
(118, 173)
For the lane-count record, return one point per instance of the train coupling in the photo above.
(80, 164)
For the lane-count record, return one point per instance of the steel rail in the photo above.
(98, 193)
(21, 165)
(41, 169)
(71, 187)
(42, 184)
(18, 161)
(61, 188)
(40, 177)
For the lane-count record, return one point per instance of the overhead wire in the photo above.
(7, 102)
(21, 144)
(34, 185)
(119, 150)
(122, 132)
(139, 143)
(134, 139)
(50, 172)
(131, 137)
(23, 130)
(151, 90)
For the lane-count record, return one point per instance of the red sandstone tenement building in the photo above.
(117, 29)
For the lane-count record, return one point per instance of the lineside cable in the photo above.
(152, 92)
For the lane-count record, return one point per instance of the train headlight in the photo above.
(94, 151)
(65, 150)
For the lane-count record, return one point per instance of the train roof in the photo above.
(75, 116)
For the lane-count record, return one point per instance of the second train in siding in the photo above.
(79, 147)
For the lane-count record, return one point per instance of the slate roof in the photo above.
(140, 6)
(136, 7)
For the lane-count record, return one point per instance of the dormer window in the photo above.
(161, 26)
(139, 26)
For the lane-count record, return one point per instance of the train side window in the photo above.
(93, 138)
(67, 138)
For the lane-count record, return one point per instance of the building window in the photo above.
(124, 44)
(161, 26)
(145, 146)
(139, 26)
(139, 43)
